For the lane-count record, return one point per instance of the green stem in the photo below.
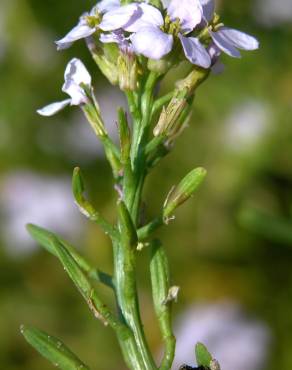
(160, 102)
(125, 283)
(145, 231)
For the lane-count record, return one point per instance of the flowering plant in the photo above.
(135, 44)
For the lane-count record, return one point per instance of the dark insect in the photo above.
(187, 367)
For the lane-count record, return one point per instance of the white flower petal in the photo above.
(152, 42)
(75, 75)
(208, 9)
(120, 17)
(150, 16)
(195, 51)
(239, 39)
(189, 12)
(224, 44)
(107, 5)
(51, 109)
(76, 93)
(80, 31)
(77, 72)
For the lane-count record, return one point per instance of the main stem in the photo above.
(125, 258)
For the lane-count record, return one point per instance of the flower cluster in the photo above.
(191, 26)
(171, 32)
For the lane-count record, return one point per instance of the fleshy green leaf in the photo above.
(203, 356)
(85, 206)
(44, 238)
(72, 268)
(52, 349)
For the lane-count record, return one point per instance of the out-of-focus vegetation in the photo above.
(232, 241)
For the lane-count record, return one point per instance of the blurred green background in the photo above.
(231, 243)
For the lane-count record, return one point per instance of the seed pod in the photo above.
(129, 238)
(125, 136)
(183, 191)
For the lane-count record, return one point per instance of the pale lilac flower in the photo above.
(76, 75)
(83, 29)
(229, 40)
(145, 22)
(119, 38)
(226, 39)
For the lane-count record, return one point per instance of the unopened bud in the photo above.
(105, 56)
(127, 71)
(183, 191)
(160, 66)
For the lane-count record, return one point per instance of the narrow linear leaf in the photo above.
(44, 238)
(84, 286)
(52, 349)
(85, 207)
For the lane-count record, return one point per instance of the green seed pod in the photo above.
(78, 191)
(52, 349)
(129, 238)
(183, 191)
(160, 282)
(125, 135)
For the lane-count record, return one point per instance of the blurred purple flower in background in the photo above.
(45, 200)
(239, 342)
(272, 13)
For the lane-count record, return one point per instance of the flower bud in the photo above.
(160, 66)
(105, 56)
(127, 71)
(183, 191)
